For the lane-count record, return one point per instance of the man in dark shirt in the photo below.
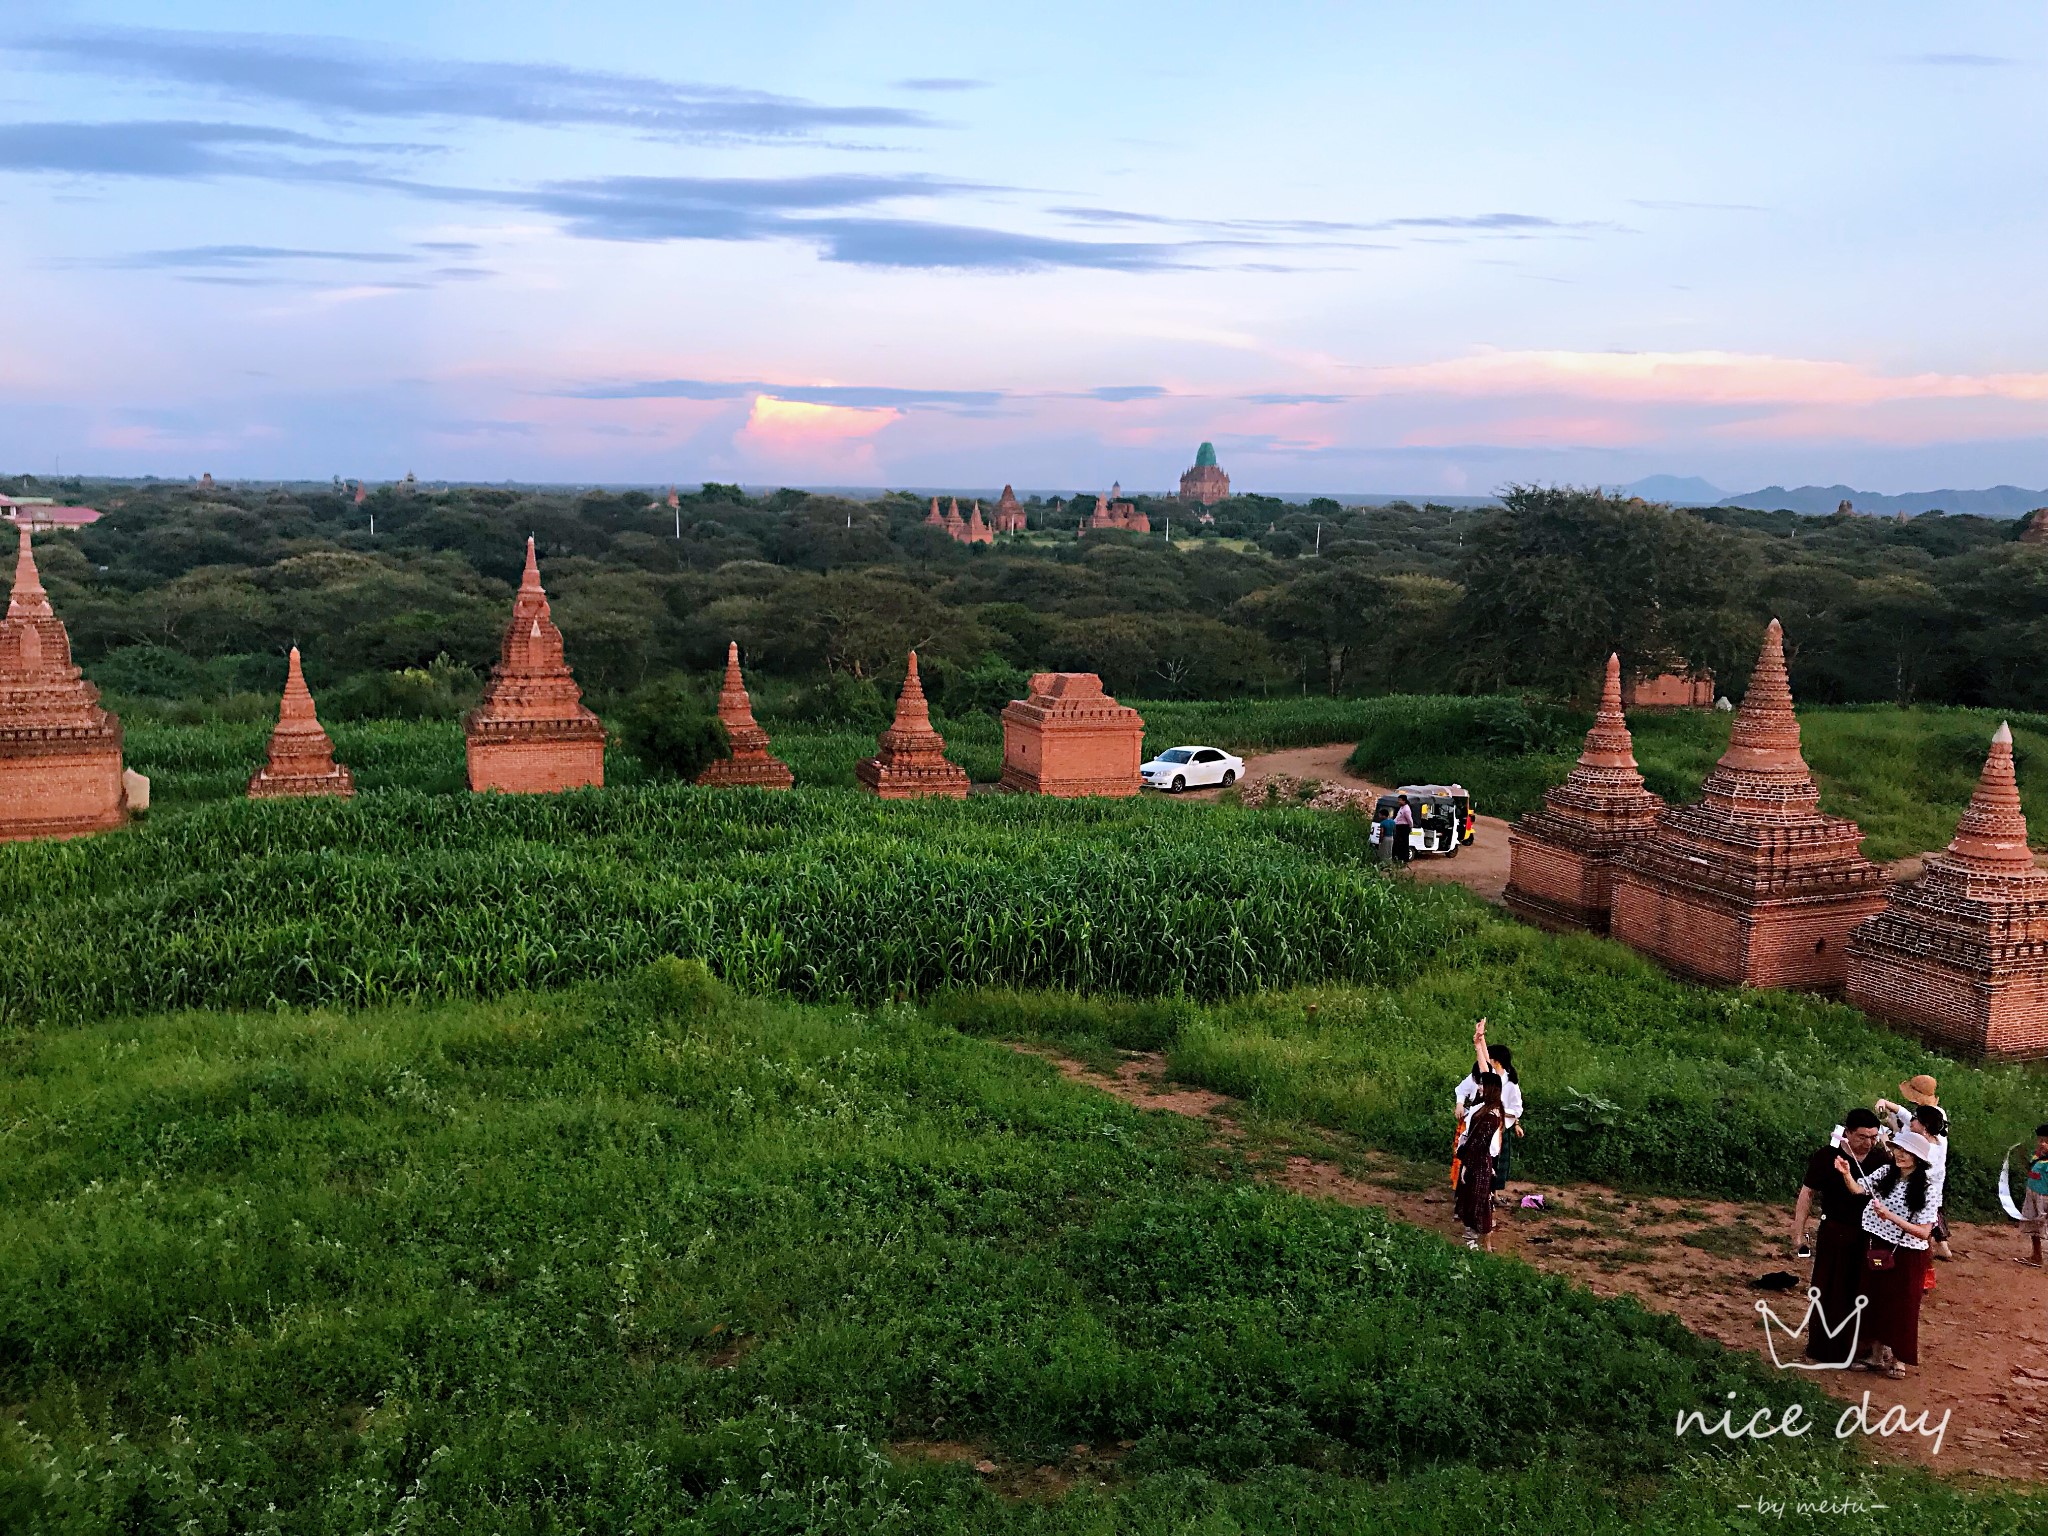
(1838, 1250)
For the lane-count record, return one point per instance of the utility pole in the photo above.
(1319, 537)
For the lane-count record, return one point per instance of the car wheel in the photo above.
(1180, 782)
(1229, 777)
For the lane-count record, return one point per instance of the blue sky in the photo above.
(1361, 247)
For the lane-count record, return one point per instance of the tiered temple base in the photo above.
(60, 753)
(750, 766)
(301, 755)
(911, 761)
(1069, 738)
(1561, 858)
(1751, 886)
(1960, 956)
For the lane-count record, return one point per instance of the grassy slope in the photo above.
(637, 1257)
(1904, 775)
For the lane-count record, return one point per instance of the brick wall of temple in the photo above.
(49, 795)
(1556, 887)
(535, 768)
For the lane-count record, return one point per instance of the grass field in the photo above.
(637, 1256)
(1904, 775)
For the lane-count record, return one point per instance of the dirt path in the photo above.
(1481, 867)
(1983, 1330)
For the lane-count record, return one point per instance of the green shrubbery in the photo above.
(640, 1257)
(667, 727)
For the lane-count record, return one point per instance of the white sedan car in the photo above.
(1179, 768)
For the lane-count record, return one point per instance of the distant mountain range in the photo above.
(1691, 491)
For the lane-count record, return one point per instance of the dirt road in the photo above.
(1983, 1329)
(1481, 866)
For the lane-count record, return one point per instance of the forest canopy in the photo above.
(187, 592)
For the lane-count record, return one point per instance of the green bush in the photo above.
(443, 690)
(666, 725)
(842, 701)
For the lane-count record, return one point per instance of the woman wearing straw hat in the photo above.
(1900, 1221)
(1922, 1112)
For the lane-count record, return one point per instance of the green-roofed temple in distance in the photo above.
(1205, 483)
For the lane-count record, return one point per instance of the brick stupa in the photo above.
(1561, 858)
(749, 764)
(301, 756)
(531, 734)
(911, 760)
(1960, 956)
(1069, 738)
(1751, 885)
(1009, 513)
(60, 753)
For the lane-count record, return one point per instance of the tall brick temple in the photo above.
(910, 762)
(1205, 482)
(1752, 885)
(60, 753)
(1960, 956)
(1069, 738)
(1009, 513)
(301, 758)
(750, 764)
(531, 733)
(1561, 858)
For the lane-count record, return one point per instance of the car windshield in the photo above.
(1175, 755)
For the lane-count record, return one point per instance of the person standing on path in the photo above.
(1900, 1222)
(2034, 1212)
(1922, 1112)
(1499, 1060)
(1839, 1247)
(1475, 1164)
(1404, 830)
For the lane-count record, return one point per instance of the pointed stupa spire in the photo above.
(912, 712)
(529, 580)
(1765, 736)
(735, 708)
(1993, 832)
(298, 698)
(1608, 744)
(29, 600)
(911, 758)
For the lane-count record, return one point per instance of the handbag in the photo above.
(1881, 1255)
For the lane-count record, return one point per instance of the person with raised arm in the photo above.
(1498, 1060)
(1899, 1221)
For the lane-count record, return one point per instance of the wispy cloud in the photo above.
(1116, 394)
(183, 149)
(804, 394)
(1483, 223)
(1963, 60)
(233, 256)
(1295, 399)
(341, 79)
(940, 83)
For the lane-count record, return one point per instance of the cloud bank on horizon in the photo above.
(1368, 251)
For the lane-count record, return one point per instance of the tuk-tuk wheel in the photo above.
(1452, 851)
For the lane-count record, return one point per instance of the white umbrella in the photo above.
(2005, 1182)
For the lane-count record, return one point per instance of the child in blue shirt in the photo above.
(2034, 1213)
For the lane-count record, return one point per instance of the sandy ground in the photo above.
(1983, 1329)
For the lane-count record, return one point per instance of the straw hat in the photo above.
(1919, 1090)
(1915, 1143)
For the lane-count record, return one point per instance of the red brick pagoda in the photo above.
(1561, 858)
(1752, 885)
(977, 531)
(301, 755)
(531, 733)
(1069, 738)
(1205, 483)
(749, 764)
(1009, 513)
(935, 518)
(60, 753)
(956, 525)
(1960, 956)
(911, 762)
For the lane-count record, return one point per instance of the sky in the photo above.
(1359, 247)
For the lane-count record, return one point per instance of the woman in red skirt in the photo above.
(1900, 1220)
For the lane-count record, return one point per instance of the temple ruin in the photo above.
(1069, 738)
(1751, 885)
(1009, 513)
(60, 753)
(1960, 956)
(301, 757)
(750, 764)
(1561, 858)
(531, 733)
(910, 762)
(1205, 484)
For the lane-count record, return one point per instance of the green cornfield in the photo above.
(814, 894)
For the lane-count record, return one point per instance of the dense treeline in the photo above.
(192, 593)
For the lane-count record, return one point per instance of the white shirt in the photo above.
(1468, 1094)
(1877, 1215)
